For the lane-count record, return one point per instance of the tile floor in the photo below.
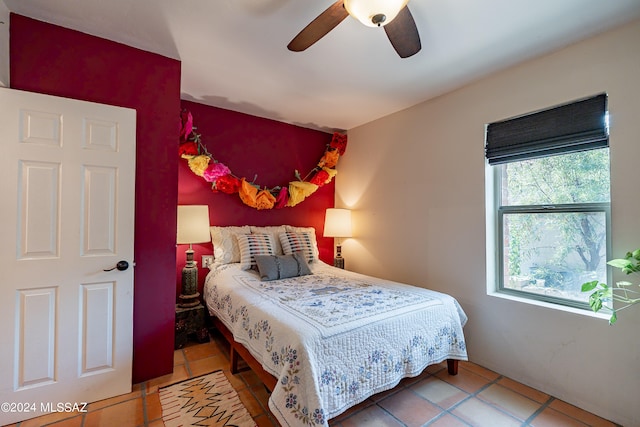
(475, 397)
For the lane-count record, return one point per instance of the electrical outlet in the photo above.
(207, 260)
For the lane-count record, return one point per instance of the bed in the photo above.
(322, 339)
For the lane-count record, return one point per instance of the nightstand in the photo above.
(190, 322)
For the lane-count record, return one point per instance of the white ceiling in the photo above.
(234, 53)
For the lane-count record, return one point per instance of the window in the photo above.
(550, 176)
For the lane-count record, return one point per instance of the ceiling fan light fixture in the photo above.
(374, 13)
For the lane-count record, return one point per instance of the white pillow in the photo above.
(225, 244)
(252, 245)
(312, 235)
(275, 231)
(299, 242)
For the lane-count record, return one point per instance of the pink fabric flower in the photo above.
(283, 198)
(215, 171)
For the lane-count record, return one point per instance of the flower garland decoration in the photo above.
(203, 164)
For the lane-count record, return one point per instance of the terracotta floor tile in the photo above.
(372, 416)
(129, 413)
(54, 417)
(384, 394)
(465, 380)
(439, 392)
(552, 418)
(432, 369)
(178, 358)
(480, 414)
(179, 374)
(69, 422)
(265, 421)
(207, 365)
(351, 411)
(524, 390)
(410, 408)
(580, 414)
(250, 378)
(479, 370)
(250, 402)
(262, 395)
(418, 401)
(509, 401)
(236, 380)
(201, 351)
(114, 400)
(154, 408)
(448, 420)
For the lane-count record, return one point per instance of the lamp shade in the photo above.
(337, 223)
(193, 224)
(374, 13)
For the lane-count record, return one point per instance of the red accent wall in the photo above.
(251, 146)
(53, 60)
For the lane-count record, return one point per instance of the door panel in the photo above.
(67, 218)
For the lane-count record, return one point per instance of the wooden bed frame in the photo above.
(237, 349)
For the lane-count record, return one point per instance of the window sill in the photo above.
(549, 305)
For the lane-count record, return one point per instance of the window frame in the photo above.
(500, 211)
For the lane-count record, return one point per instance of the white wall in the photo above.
(415, 180)
(4, 44)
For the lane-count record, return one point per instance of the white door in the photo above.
(67, 191)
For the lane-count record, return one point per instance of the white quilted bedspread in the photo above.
(336, 337)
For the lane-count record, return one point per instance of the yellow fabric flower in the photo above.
(265, 200)
(199, 164)
(299, 190)
(332, 173)
(248, 193)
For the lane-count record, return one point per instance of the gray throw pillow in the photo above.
(274, 267)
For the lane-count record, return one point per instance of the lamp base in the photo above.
(191, 300)
(189, 295)
(338, 261)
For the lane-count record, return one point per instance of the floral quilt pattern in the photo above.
(334, 338)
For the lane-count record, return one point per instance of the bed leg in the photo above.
(234, 360)
(452, 366)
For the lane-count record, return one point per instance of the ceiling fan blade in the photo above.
(403, 34)
(319, 27)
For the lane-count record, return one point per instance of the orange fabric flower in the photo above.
(248, 193)
(330, 159)
(265, 200)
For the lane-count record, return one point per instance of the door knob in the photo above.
(121, 266)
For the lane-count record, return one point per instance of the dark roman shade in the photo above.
(577, 126)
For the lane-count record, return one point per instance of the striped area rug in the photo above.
(209, 400)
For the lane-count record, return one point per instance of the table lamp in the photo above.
(193, 227)
(337, 223)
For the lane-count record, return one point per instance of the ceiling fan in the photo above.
(393, 15)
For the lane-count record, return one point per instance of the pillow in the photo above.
(312, 234)
(274, 267)
(252, 245)
(275, 231)
(299, 242)
(225, 244)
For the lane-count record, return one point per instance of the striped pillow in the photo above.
(254, 244)
(299, 242)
